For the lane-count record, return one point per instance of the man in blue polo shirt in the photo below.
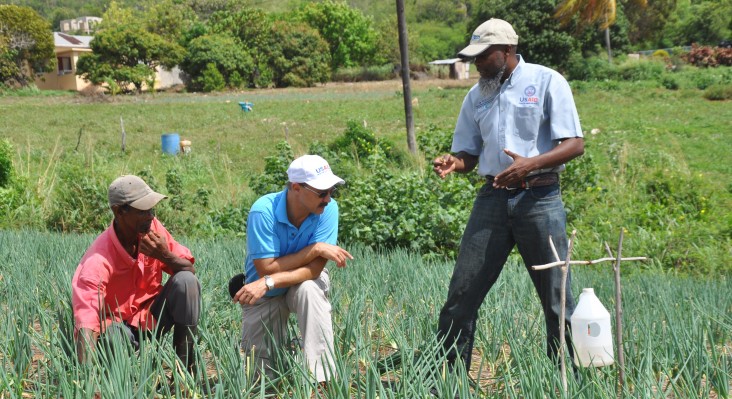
(519, 125)
(291, 235)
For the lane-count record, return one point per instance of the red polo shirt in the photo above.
(126, 286)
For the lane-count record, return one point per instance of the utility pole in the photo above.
(404, 51)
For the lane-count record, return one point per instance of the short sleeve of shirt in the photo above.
(87, 291)
(262, 240)
(467, 135)
(562, 111)
(327, 229)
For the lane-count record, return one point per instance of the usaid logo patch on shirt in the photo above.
(529, 96)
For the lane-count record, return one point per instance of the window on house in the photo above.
(64, 65)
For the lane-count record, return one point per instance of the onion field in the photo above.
(677, 333)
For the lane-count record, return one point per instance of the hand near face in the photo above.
(154, 245)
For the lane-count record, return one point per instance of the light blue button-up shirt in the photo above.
(531, 112)
(271, 235)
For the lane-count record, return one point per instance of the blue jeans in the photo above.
(499, 220)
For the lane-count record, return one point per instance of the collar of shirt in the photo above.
(281, 213)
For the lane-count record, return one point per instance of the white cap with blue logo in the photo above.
(313, 171)
(490, 32)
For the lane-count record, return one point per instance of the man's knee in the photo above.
(308, 290)
(185, 283)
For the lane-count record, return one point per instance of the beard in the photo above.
(488, 86)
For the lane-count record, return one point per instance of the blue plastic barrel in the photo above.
(171, 143)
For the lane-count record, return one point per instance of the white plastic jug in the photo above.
(591, 332)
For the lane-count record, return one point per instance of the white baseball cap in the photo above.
(133, 191)
(490, 32)
(313, 171)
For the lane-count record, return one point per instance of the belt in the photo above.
(540, 180)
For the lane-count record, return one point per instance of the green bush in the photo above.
(6, 162)
(703, 80)
(80, 205)
(274, 176)
(364, 74)
(641, 70)
(211, 79)
(361, 145)
(587, 69)
(719, 92)
(669, 82)
(415, 210)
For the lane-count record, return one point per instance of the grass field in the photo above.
(660, 157)
(677, 333)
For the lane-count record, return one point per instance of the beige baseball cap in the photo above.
(490, 32)
(133, 191)
(314, 171)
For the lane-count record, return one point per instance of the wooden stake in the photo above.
(619, 318)
(124, 135)
(562, 313)
(78, 139)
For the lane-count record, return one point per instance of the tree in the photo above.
(600, 12)
(127, 55)
(541, 39)
(702, 22)
(300, 56)
(25, 41)
(223, 52)
(647, 23)
(348, 32)
(253, 28)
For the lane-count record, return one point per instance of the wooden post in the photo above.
(78, 139)
(124, 135)
(563, 312)
(404, 51)
(619, 317)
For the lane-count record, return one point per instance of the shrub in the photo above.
(80, 204)
(415, 210)
(669, 82)
(364, 74)
(300, 56)
(588, 69)
(211, 79)
(701, 56)
(723, 56)
(6, 162)
(662, 54)
(274, 176)
(719, 92)
(361, 144)
(434, 142)
(641, 70)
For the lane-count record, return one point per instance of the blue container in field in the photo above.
(171, 143)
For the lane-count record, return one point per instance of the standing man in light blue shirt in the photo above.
(291, 235)
(519, 125)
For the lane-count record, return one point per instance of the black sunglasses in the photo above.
(320, 194)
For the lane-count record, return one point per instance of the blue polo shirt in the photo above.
(529, 114)
(271, 235)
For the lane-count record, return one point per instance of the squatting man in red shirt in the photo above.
(117, 288)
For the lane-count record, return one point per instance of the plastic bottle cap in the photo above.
(588, 290)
